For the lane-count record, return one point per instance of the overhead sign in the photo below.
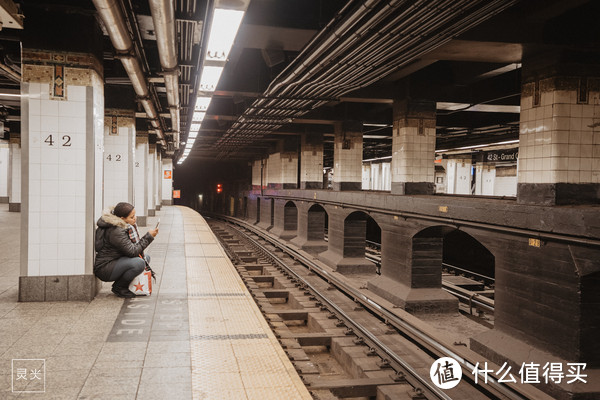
(176, 194)
(509, 155)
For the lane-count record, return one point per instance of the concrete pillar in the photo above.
(413, 147)
(119, 156)
(167, 182)
(458, 172)
(257, 171)
(311, 228)
(282, 165)
(559, 142)
(4, 163)
(311, 164)
(266, 213)
(285, 224)
(346, 242)
(347, 156)
(411, 266)
(140, 178)
(157, 179)
(151, 170)
(14, 179)
(62, 122)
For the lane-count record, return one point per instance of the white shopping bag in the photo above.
(141, 285)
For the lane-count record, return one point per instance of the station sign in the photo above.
(167, 174)
(176, 194)
(509, 155)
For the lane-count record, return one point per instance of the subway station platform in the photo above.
(199, 336)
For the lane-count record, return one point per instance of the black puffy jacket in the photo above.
(112, 242)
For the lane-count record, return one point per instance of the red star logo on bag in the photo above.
(139, 286)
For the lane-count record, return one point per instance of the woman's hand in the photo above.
(153, 232)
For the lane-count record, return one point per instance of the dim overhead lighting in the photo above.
(210, 78)
(193, 134)
(224, 28)
(195, 127)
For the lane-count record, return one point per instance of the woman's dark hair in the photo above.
(122, 210)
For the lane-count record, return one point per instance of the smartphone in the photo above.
(157, 224)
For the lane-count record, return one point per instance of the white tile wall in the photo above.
(4, 158)
(312, 162)
(412, 154)
(57, 181)
(140, 178)
(274, 169)
(155, 176)
(117, 162)
(347, 163)
(557, 140)
(15, 173)
(289, 168)
(151, 164)
(167, 184)
(256, 173)
(159, 178)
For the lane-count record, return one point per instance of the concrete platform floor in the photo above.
(141, 348)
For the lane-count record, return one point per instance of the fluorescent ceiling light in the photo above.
(210, 78)
(193, 135)
(202, 103)
(223, 30)
(198, 116)
(195, 127)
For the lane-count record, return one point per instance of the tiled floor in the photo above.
(196, 338)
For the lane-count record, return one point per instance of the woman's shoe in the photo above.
(123, 292)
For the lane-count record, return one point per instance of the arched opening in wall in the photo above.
(467, 263)
(465, 253)
(290, 216)
(257, 210)
(317, 223)
(373, 242)
(272, 212)
(358, 228)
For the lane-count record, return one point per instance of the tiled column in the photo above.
(157, 178)
(62, 122)
(559, 141)
(119, 144)
(257, 171)
(413, 147)
(14, 176)
(140, 178)
(289, 163)
(347, 156)
(151, 165)
(4, 162)
(167, 182)
(311, 161)
(274, 171)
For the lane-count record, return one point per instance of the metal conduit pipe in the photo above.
(114, 22)
(380, 46)
(163, 16)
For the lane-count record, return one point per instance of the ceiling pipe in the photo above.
(114, 22)
(163, 16)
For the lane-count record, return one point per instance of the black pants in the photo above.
(127, 268)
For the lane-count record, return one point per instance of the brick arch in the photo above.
(435, 245)
(317, 221)
(290, 216)
(355, 233)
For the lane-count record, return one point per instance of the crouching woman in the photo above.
(119, 248)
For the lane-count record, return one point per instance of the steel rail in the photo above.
(411, 375)
(404, 326)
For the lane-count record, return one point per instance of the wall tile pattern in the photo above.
(559, 139)
(347, 163)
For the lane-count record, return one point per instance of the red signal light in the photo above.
(219, 188)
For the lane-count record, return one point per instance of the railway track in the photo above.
(343, 343)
